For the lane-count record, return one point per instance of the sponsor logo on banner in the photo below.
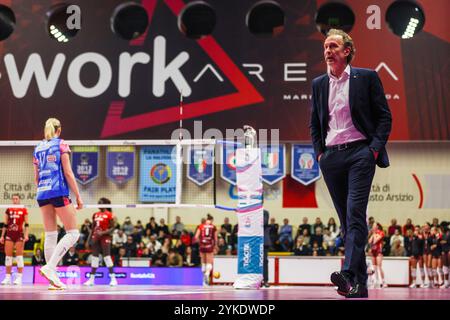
(228, 164)
(201, 165)
(304, 167)
(120, 163)
(249, 261)
(273, 163)
(157, 178)
(85, 163)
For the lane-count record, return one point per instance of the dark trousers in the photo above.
(266, 264)
(348, 175)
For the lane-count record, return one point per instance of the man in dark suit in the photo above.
(350, 125)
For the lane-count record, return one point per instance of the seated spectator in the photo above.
(38, 258)
(71, 257)
(140, 249)
(408, 226)
(306, 237)
(332, 226)
(146, 253)
(393, 227)
(146, 238)
(188, 258)
(130, 247)
(435, 223)
(152, 226)
(227, 225)
(339, 244)
(303, 226)
(186, 238)
(397, 236)
(137, 235)
(317, 251)
(300, 248)
(222, 246)
(166, 246)
(163, 226)
(159, 259)
(179, 246)
(161, 236)
(178, 226)
(370, 223)
(397, 250)
(285, 237)
(273, 233)
(128, 227)
(329, 241)
(119, 256)
(154, 245)
(140, 227)
(317, 236)
(29, 245)
(318, 224)
(174, 259)
(118, 240)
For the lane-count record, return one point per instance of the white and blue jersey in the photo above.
(51, 180)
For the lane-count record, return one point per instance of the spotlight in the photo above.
(129, 20)
(56, 23)
(405, 18)
(7, 22)
(197, 20)
(334, 15)
(265, 18)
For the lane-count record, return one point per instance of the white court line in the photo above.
(140, 292)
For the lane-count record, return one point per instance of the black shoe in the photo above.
(358, 291)
(342, 281)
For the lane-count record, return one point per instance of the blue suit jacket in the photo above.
(369, 110)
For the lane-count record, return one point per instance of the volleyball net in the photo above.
(130, 173)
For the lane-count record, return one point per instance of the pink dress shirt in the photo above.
(340, 126)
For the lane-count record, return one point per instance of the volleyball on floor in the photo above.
(216, 274)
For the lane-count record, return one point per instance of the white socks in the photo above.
(51, 238)
(69, 239)
(208, 269)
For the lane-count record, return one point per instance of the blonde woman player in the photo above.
(206, 235)
(14, 234)
(53, 177)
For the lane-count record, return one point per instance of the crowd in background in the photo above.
(175, 245)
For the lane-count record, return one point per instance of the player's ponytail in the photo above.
(51, 126)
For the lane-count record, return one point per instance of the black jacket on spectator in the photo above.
(70, 260)
(302, 227)
(318, 239)
(302, 251)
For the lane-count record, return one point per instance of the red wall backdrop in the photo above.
(418, 91)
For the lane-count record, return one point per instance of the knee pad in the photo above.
(95, 262)
(19, 261)
(413, 272)
(108, 261)
(209, 267)
(445, 270)
(8, 261)
(422, 272)
(74, 234)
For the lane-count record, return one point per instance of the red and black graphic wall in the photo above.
(221, 71)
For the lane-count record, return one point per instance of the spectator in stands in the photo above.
(38, 258)
(154, 244)
(130, 247)
(178, 226)
(370, 223)
(179, 246)
(152, 226)
(146, 253)
(339, 243)
(120, 255)
(163, 226)
(146, 238)
(407, 240)
(159, 259)
(222, 246)
(329, 241)
(317, 250)
(408, 226)
(137, 235)
(332, 226)
(317, 236)
(397, 250)
(300, 248)
(174, 259)
(188, 258)
(397, 236)
(71, 257)
(127, 226)
(234, 236)
(306, 237)
(61, 232)
(116, 223)
(286, 235)
(140, 249)
(273, 233)
(317, 224)
(84, 232)
(227, 225)
(140, 227)
(118, 240)
(303, 226)
(393, 227)
(186, 238)
(435, 223)
(166, 246)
